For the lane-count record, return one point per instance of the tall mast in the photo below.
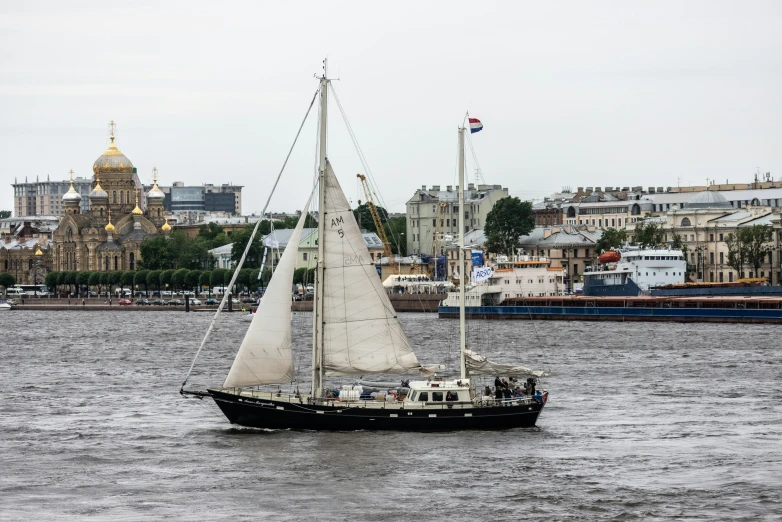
(462, 274)
(317, 320)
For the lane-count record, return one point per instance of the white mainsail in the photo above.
(361, 332)
(265, 354)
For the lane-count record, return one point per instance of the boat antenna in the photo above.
(244, 254)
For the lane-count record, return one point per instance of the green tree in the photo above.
(5, 214)
(70, 280)
(266, 276)
(82, 280)
(677, 243)
(755, 239)
(737, 253)
(193, 280)
(7, 280)
(128, 279)
(105, 280)
(140, 279)
(205, 280)
(648, 235)
(216, 277)
(243, 280)
(395, 232)
(154, 254)
(610, 240)
(298, 276)
(51, 281)
(507, 221)
(61, 277)
(166, 278)
(94, 281)
(179, 278)
(254, 256)
(153, 278)
(364, 219)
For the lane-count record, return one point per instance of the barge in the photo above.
(645, 308)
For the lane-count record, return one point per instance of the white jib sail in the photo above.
(361, 332)
(265, 354)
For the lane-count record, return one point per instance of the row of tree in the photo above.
(180, 251)
(67, 282)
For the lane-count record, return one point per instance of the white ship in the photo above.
(522, 276)
(633, 271)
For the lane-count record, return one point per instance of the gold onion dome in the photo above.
(137, 211)
(109, 227)
(166, 227)
(112, 160)
(38, 250)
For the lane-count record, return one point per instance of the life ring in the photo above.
(544, 398)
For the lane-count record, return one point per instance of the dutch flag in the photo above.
(475, 125)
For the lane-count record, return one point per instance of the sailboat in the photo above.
(355, 332)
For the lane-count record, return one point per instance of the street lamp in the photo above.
(38, 256)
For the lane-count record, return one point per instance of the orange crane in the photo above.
(381, 232)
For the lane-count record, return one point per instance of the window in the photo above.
(437, 396)
(711, 237)
(722, 258)
(686, 222)
(304, 256)
(711, 258)
(424, 396)
(720, 237)
(722, 277)
(451, 396)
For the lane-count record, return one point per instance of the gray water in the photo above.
(646, 421)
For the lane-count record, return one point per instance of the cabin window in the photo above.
(424, 396)
(437, 396)
(451, 396)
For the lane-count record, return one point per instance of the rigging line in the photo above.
(364, 163)
(249, 244)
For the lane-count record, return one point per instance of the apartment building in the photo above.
(434, 213)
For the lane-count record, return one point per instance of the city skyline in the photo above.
(570, 95)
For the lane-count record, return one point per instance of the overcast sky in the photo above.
(570, 93)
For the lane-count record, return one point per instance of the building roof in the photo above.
(560, 236)
(708, 199)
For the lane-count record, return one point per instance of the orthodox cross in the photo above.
(112, 125)
(71, 173)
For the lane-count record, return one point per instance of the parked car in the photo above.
(125, 302)
(158, 302)
(195, 302)
(211, 301)
(142, 302)
(250, 300)
(176, 302)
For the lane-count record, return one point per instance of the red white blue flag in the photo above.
(475, 125)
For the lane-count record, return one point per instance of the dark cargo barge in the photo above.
(680, 309)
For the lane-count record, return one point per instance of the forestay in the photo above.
(480, 365)
(361, 332)
(265, 354)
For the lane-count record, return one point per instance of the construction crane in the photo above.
(381, 232)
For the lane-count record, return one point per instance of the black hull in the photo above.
(271, 414)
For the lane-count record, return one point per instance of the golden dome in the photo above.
(137, 211)
(38, 250)
(112, 160)
(109, 227)
(166, 227)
